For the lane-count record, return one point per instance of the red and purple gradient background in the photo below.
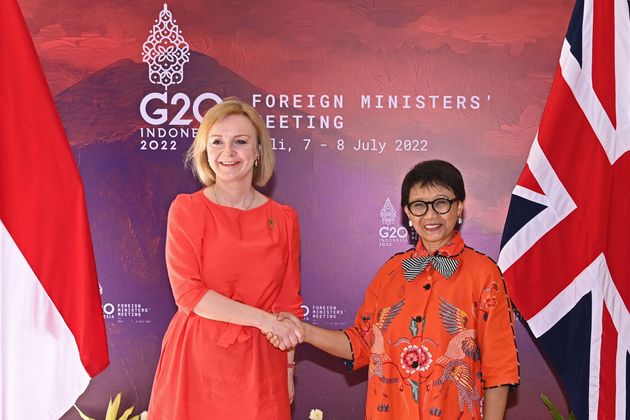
(504, 51)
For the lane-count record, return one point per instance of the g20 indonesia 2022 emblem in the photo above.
(165, 51)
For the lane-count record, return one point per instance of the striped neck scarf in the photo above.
(415, 265)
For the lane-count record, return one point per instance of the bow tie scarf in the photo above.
(416, 265)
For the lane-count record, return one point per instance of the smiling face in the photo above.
(232, 149)
(434, 229)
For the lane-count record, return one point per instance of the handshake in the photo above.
(284, 331)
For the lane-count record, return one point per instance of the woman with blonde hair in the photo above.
(232, 256)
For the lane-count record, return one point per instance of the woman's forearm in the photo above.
(331, 341)
(494, 402)
(217, 307)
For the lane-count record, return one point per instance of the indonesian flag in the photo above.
(565, 251)
(52, 333)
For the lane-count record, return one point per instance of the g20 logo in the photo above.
(180, 102)
(392, 232)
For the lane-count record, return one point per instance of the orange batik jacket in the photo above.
(434, 331)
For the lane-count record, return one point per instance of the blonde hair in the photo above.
(197, 155)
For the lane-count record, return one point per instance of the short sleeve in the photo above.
(183, 252)
(289, 299)
(496, 334)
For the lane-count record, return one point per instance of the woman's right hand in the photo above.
(288, 316)
(282, 333)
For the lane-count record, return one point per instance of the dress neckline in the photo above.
(212, 203)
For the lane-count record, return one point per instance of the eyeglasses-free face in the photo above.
(232, 149)
(440, 206)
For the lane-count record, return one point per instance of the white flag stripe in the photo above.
(587, 40)
(596, 342)
(37, 347)
(531, 195)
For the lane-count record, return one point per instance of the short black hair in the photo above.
(433, 173)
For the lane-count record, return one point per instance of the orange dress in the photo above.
(218, 370)
(433, 343)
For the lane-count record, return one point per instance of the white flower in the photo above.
(316, 414)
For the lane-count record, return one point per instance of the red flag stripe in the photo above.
(528, 181)
(603, 74)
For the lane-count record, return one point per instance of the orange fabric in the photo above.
(218, 370)
(433, 344)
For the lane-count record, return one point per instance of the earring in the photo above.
(410, 223)
(460, 220)
(257, 162)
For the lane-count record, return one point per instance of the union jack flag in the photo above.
(565, 250)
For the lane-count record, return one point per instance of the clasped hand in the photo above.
(285, 331)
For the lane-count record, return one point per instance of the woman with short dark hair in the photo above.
(436, 328)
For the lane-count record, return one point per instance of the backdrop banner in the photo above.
(354, 94)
